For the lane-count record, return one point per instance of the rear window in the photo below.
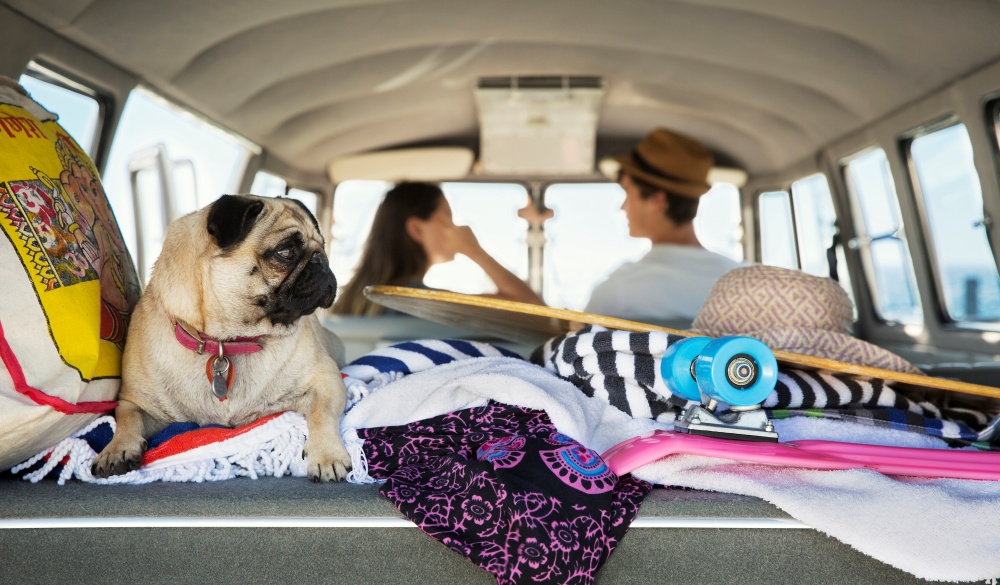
(269, 185)
(354, 205)
(490, 209)
(586, 239)
(588, 236)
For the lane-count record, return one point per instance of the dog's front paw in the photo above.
(118, 457)
(326, 463)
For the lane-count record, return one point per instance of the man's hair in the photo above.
(681, 210)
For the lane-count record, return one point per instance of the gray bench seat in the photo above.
(289, 530)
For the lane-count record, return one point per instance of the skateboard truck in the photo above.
(738, 371)
(751, 424)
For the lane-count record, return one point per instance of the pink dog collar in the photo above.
(203, 344)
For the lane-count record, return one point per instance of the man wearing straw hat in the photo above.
(663, 178)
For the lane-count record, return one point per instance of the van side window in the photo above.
(814, 223)
(165, 163)
(881, 238)
(799, 232)
(79, 109)
(816, 228)
(777, 230)
(964, 266)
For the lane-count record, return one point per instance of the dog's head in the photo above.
(245, 265)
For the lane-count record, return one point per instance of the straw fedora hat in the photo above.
(792, 311)
(672, 161)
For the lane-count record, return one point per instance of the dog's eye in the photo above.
(286, 253)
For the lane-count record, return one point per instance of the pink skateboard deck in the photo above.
(824, 455)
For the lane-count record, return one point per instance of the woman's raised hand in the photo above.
(464, 241)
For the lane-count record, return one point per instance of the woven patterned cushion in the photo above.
(67, 280)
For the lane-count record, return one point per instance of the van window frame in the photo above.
(47, 72)
(934, 267)
(862, 239)
(758, 225)
(991, 103)
(140, 253)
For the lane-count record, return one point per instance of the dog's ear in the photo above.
(309, 213)
(231, 218)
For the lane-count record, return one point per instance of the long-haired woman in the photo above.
(412, 231)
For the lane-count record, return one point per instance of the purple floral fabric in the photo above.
(501, 486)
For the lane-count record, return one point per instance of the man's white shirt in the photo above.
(671, 282)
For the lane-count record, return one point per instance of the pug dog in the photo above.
(226, 332)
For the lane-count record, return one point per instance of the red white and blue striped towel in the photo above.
(270, 446)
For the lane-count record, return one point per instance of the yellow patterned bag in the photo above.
(67, 283)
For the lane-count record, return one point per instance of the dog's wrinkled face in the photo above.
(270, 268)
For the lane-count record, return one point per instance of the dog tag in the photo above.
(220, 373)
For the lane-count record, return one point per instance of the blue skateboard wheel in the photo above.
(677, 367)
(740, 371)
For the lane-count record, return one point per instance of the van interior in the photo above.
(857, 140)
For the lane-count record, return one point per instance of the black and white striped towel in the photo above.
(623, 368)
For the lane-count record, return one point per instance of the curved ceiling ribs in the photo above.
(292, 97)
(305, 112)
(201, 24)
(301, 132)
(297, 43)
(767, 82)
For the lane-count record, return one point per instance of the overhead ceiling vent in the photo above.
(538, 125)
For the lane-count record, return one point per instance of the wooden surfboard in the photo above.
(535, 324)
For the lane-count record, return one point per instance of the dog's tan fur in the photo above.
(220, 292)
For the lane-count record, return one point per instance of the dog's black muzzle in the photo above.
(309, 287)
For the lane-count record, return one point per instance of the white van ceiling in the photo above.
(764, 83)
